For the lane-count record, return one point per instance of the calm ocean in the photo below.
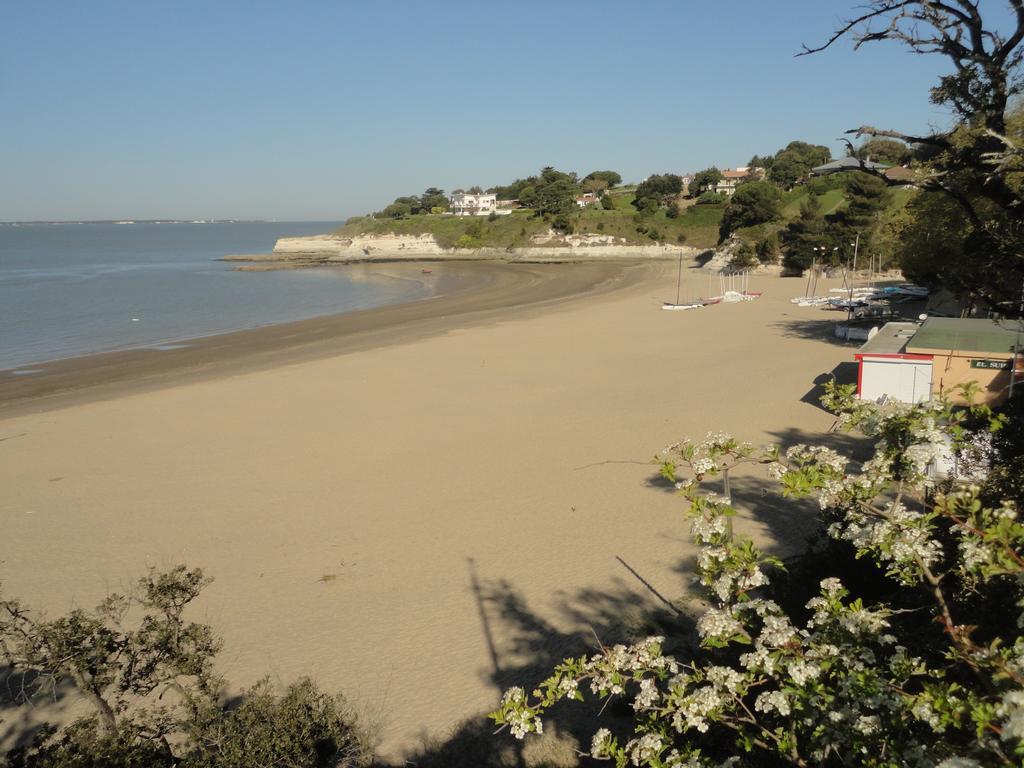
(72, 289)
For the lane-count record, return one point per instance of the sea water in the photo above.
(74, 289)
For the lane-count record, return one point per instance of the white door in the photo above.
(909, 381)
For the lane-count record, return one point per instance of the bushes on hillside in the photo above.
(753, 203)
(712, 198)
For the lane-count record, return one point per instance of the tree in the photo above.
(528, 196)
(475, 190)
(156, 702)
(761, 162)
(554, 193)
(704, 180)
(612, 178)
(795, 161)
(514, 190)
(744, 257)
(868, 196)
(768, 249)
(803, 235)
(881, 150)
(607, 202)
(657, 190)
(978, 162)
(432, 197)
(595, 186)
(397, 210)
(756, 202)
(113, 662)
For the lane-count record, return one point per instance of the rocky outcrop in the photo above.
(354, 248)
(328, 249)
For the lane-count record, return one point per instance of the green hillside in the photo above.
(696, 225)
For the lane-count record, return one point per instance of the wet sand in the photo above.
(420, 511)
(464, 293)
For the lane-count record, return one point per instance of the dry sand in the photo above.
(497, 452)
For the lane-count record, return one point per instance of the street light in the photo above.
(813, 271)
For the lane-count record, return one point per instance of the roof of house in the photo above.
(848, 164)
(899, 173)
(953, 334)
(735, 174)
(891, 339)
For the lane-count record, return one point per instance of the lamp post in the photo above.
(856, 246)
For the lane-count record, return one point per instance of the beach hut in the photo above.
(887, 368)
(964, 349)
(912, 363)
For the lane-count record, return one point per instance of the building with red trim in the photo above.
(911, 363)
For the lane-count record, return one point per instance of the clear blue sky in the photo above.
(325, 109)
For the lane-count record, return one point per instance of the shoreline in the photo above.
(464, 290)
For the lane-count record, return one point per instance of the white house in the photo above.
(587, 198)
(466, 204)
(730, 180)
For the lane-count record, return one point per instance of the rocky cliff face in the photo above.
(358, 248)
(331, 248)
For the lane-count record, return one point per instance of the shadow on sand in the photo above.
(525, 647)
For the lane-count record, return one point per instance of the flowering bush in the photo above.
(845, 680)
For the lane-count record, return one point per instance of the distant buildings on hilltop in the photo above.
(469, 204)
(732, 178)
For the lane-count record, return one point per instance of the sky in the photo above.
(320, 110)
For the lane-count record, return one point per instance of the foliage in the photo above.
(882, 150)
(845, 680)
(514, 191)
(867, 198)
(803, 235)
(761, 162)
(703, 180)
(744, 256)
(148, 675)
(611, 178)
(712, 198)
(657, 190)
(554, 193)
(433, 200)
(753, 203)
(768, 249)
(607, 203)
(302, 728)
(979, 163)
(795, 161)
(128, 647)
(84, 744)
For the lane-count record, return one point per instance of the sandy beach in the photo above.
(412, 505)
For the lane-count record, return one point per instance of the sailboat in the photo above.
(679, 285)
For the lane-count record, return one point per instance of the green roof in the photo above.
(966, 335)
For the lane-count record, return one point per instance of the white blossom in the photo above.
(718, 625)
(772, 700)
(600, 743)
(646, 747)
(647, 695)
(802, 671)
